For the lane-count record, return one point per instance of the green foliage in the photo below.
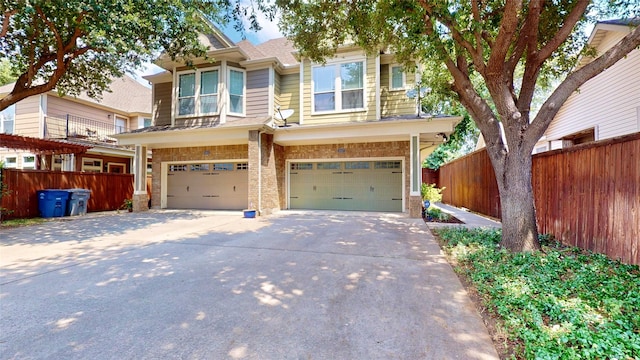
(461, 142)
(562, 303)
(437, 214)
(101, 40)
(431, 192)
(6, 76)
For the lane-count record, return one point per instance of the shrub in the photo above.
(431, 192)
(435, 213)
(559, 303)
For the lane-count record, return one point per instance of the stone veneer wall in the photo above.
(198, 153)
(349, 151)
(266, 199)
(270, 184)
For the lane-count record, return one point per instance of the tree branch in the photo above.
(567, 27)
(478, 32)
(532, 69)
(476, 54)
(502, 44)
(6, 18)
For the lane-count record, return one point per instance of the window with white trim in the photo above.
(7, 119)
(338, 86)
(91, 165)
(197, 92)
(29, 162)
(236, 91)
(11, 162)
(397, 79)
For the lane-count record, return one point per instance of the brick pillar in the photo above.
(254, 170)
(415, 206)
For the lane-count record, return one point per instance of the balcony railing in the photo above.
(75, 127)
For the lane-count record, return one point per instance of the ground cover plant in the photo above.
(558, 303)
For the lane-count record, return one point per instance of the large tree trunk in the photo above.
(519, 228)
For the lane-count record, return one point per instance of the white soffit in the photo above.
(361, 132)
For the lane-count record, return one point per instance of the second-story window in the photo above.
(209, 92)
(236, 91)
(7, 119)
(187, 94)
(197, 93)
(397, 78)
(338, 87)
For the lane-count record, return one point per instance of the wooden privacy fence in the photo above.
(586, 196)
(108, 191)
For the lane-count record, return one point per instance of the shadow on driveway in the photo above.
(296, 285)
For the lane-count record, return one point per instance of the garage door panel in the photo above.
(361, 185)
(208, 186)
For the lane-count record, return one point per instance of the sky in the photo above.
(269, 31)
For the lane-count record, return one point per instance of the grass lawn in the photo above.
(560, 303)
(22, 222)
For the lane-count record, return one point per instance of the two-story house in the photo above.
(606, 106)
(79, 120)
(352, 139)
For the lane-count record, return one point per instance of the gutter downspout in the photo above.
(260, 171)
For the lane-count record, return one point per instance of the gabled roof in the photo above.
(600, 31)
(280, 48)
(127, 95)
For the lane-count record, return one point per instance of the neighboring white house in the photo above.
(606, 106)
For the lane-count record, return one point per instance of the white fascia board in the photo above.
(111, 151)
(361, 132)
(189, 137)
(161, 77)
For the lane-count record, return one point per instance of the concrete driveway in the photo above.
(212, 285)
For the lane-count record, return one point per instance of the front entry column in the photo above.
(415, 178)
(140, 198)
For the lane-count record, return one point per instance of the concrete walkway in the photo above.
(207, 285)
(470, 220)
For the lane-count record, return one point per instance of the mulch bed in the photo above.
(452, 220)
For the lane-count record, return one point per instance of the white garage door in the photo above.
(220, 186)
(352, 185)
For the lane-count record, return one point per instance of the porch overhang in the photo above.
(188, 137)
(393, 129)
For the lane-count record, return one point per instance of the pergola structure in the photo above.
(41, 146)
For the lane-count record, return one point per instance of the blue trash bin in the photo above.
(52, 202)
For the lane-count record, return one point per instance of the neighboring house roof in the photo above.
(126, 95)
(628, 22)
(599, 32)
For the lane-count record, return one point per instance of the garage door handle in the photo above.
(187, 189)
(234, 189)
(372, 189)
